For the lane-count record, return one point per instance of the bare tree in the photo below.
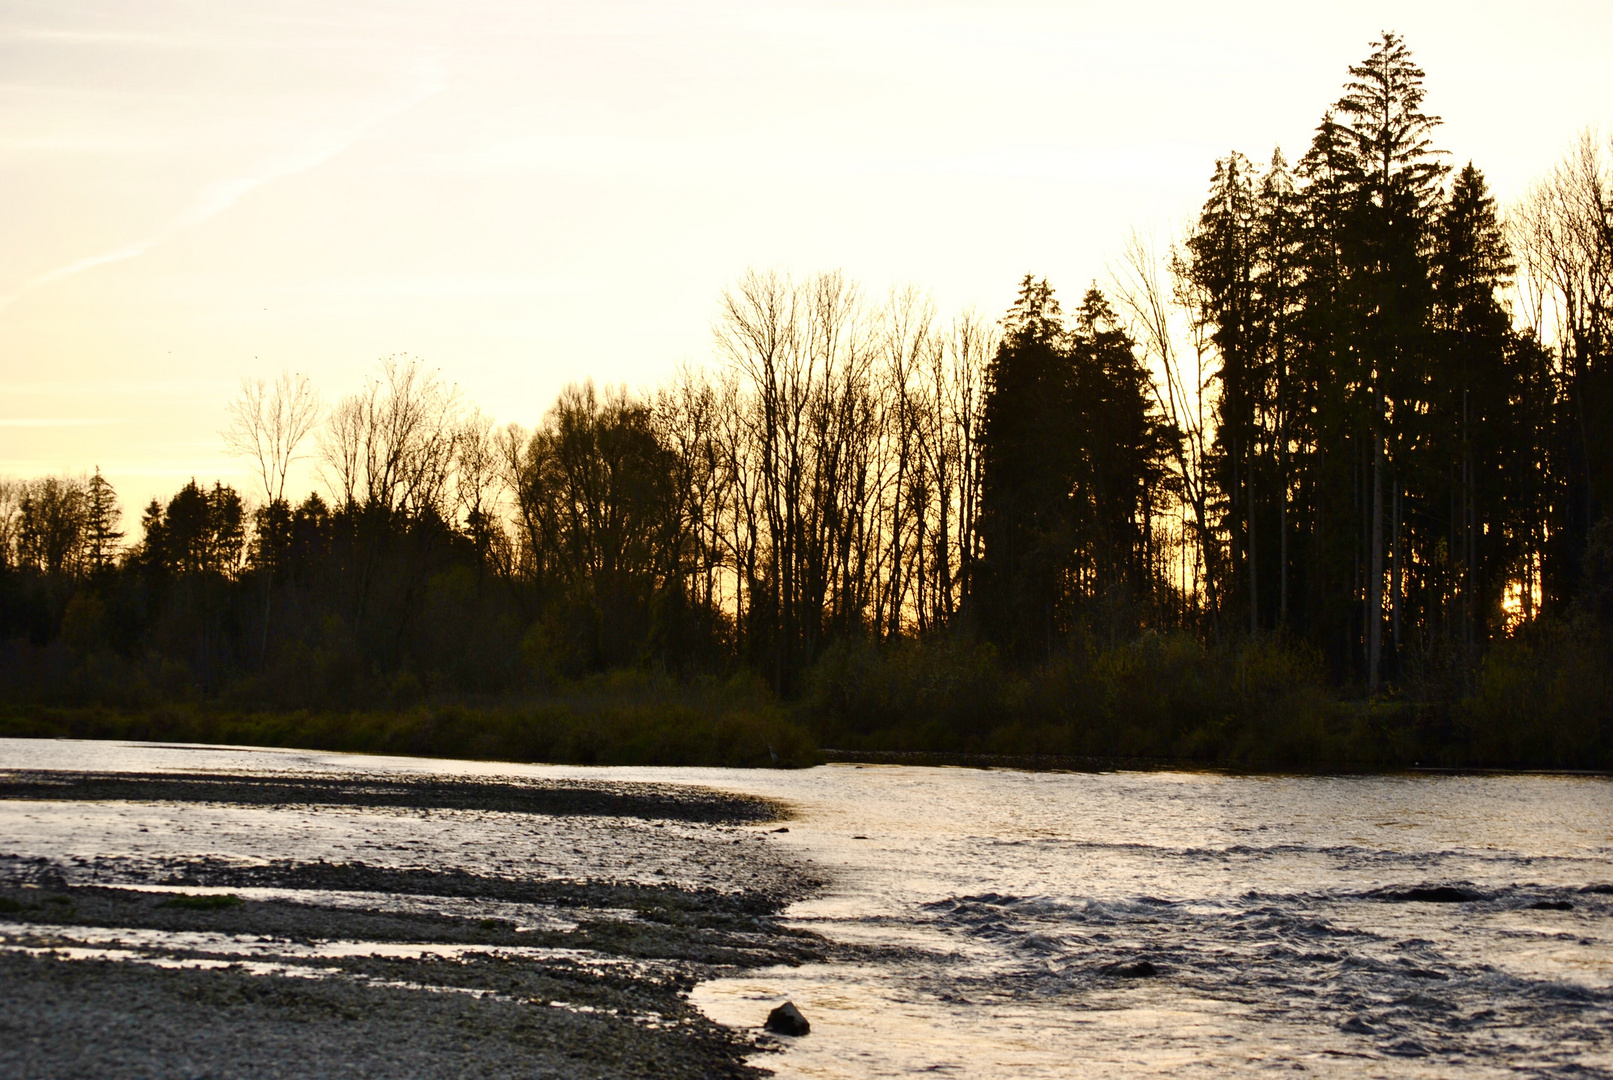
(1562, 233)
(1181, 386)
(907, 346)
(802, 454)
(390, 450)
(268, 424)
(50, 524)
(478, 475)
(740, 514)
(760, 332)
(480, 484)
(11, 495)
(950, 429)
(391, 446)
(686, 416)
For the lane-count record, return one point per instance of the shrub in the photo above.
(1544, 698)
(617, 719)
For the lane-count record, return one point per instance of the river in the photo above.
(997, 923)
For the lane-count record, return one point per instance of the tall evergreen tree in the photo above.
(1395, 175)
(1027, 465)
(1278, 280)
(1222, 265)
(1120, 448)
(1474, 416)
(1072, 452)
(101, 515)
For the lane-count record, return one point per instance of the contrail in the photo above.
(222, 196)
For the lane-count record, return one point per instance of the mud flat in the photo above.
(225, 924)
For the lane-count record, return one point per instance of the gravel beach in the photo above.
(380, 926)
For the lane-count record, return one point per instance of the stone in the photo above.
(787, 1020)
(1429, 894)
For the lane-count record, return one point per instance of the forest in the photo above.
(1322, 482)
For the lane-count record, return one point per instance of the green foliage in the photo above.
(928, 694)
(1072, 459)
(1249, 703)
(199, 532)
(1544, 698)
(84, 627)
(623, 718)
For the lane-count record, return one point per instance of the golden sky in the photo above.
(522, 194)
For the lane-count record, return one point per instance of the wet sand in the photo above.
(569, 957)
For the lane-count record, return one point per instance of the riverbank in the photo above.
(628, 730)
(247, 925)
(1542, 700)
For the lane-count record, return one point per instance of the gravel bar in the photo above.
(213, 965)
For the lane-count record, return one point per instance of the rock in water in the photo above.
(787, 1020)
(1426, 894)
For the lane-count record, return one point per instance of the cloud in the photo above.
(55, 421)
(428, 78)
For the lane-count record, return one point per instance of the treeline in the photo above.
(822, 485)
(1324, 482)
(1396, 472)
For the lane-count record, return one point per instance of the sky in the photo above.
(526, 194)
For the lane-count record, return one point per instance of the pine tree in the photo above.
(101, 514)
(1222, 265)
(1278, 282)
(1324, 424)
(1395, 174)
(1120, 448)
(1474, 417)
(1072, 451)
(1027, 463)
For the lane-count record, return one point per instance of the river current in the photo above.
(998, 923)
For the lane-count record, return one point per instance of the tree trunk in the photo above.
(1254, 582)
(1395, 580)
(1282, 519)
(1374, 611)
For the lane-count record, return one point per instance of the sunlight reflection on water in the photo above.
(1272, 907)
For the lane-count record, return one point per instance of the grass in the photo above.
(621, 719)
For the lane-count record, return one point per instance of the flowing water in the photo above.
(995, 923)
(1394, 926)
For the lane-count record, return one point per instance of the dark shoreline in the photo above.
(826, 755)
(1067, 763)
